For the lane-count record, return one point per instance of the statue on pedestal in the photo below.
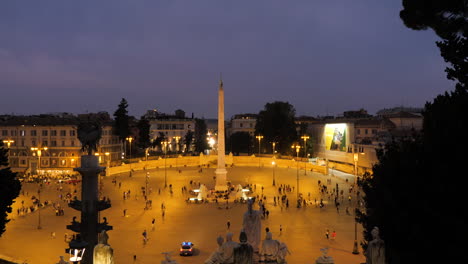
(225, 252)
(324, 259)
(103, 253)
(273, 250)
(62, 261)
(243, 254)
(252, 225)
(375, 253)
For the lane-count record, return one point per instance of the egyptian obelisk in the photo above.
(221, 172)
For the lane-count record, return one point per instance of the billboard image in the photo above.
(335, 137)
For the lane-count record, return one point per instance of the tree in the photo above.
(122, 127)
(449, 21)
(10, 188)
(188, 139)
(158, 141)
(276, 123)
(240, 142)
(414, 195)
(200, 136)
(143, 133)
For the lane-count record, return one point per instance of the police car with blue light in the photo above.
(186, 249)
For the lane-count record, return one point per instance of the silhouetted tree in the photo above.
(143, 133)
(188, 140)
(276, 123)
(240, 142)
(200, 135)
(10, 188)
(448, 19)
(122, 127)
(414, 195)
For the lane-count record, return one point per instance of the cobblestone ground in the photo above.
(303, 229)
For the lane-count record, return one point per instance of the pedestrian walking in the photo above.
(52, 235)
(124, 212)
(145, 236)
(281, 229)
(134, 258)
(152, 224)
(327, 234)
(333, 235)
(267, 213)
(228, 224)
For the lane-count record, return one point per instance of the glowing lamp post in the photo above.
(273, 165)
(38, 152)
(8, 142)
(165, 143)
(259, 137)
(305, 138)
(130, 139)
(297, 147)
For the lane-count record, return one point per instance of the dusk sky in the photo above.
(322, 56)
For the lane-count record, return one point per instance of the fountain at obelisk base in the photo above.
(221, 172)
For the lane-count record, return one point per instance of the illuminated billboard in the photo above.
(335, 137)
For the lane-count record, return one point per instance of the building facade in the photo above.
(48, 144)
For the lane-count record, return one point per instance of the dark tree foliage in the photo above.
(144, 141)
(276, 123)
(122, 127)
(188, 140)
(240, 142)
(415, 194)
(158, 141)
(200, 136)
(449, 20)
(10, 188)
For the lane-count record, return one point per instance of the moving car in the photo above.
(186, 249)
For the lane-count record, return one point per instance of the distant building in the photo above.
(173, 127)
(243, 123)
(48, 143)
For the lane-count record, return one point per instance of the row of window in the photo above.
(172, 126)
(34, 133)
(45, 162)
(366, 131)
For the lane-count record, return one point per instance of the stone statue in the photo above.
(217, 256)
(270, 248)
(62, 261)
(243, 254)
(103, 253)
(375, 253)
(89, 134)
(228, 249)
(225, 252)
(252, 225)
(324, 259)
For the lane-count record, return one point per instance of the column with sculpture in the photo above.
(89, 227)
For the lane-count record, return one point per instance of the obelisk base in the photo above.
(221, 183)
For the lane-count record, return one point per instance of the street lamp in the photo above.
(146, 189)
(38, 152)
(130, 139)
(259, 137)
(273, 165)
(355, 245)
(8, 142)
(305, 138)
(165, 143)
(297, 147)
